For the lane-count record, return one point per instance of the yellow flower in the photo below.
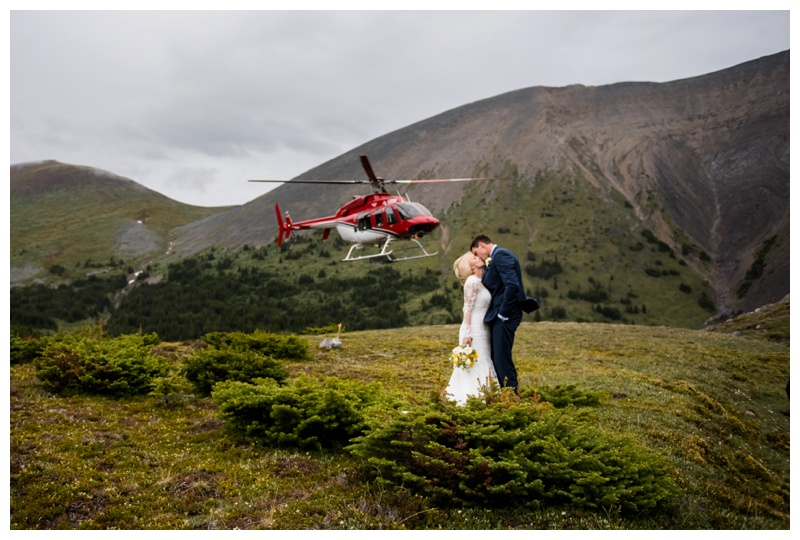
(463, 357)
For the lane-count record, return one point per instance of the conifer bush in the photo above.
(307, 414)
(206, 367)
(564, 396)
(25, 349)
(113, 366)
(170, 388)
(512, 452)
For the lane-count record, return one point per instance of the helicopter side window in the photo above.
(379, 218)
(391, 217)
(364, 221)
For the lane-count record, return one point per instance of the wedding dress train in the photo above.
(468, 382)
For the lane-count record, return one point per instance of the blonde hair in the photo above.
(462, 268)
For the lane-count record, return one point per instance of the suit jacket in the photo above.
(503, 278)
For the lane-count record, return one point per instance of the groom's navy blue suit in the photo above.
(503, 279)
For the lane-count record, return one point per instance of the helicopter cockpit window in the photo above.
(409, 209)
(379, 218)
(364, 221)
(391, 217)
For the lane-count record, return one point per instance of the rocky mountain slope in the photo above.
(701, 163)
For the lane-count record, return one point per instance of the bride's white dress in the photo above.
(468, 382)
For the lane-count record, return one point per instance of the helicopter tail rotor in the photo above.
(284, 228)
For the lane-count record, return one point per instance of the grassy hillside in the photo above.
(709, 402)
(82, 220)
(581, 248)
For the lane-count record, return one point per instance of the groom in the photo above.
(503, 278)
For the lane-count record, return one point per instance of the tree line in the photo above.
(211, 292)
(202, 295)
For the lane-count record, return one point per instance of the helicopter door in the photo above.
(364, 221)
(378, 219)
(391, 216)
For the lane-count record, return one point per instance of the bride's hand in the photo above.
(467, 341)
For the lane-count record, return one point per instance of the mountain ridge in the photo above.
(52, 205)
(702, 162)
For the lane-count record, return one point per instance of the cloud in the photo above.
(192, 178)
(193, 103)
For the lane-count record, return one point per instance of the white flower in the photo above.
(463, 356)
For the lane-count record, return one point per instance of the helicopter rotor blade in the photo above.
(419, 181)
(368, 169)
(377, 182)
(313, 181)
(351, 182)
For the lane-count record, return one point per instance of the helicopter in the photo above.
(377, 219)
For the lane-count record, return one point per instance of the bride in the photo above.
(474, 332)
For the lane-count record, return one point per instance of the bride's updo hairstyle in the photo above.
(462, 267)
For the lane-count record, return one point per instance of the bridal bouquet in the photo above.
(463, 357)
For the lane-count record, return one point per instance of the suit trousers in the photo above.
(502, 343)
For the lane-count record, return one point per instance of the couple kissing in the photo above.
(494, 300)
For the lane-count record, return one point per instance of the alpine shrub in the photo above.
(113, 366)
(25, 349)
(505, 453)
(207, 367)
(306, 414)
(269, 344)
(170, 387)
(564, 396)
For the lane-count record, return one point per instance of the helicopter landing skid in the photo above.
(388, 254)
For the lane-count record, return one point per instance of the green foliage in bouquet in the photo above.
(280, 346)
(308, 414)
(207, 367)
(511, 452)
(113, 366)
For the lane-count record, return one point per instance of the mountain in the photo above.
(702, 162)
(665, 199)
(67, 216)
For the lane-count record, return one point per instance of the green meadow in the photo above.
(711, 404)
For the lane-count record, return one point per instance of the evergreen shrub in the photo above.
(280, 346)
(206, 367)
(25, 349)
(513, 452)
(170, 387)
(113, 366)
(307, 414)
(564, 396)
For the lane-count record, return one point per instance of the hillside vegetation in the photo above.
(68, 222)
(583, 257)
(708, 403)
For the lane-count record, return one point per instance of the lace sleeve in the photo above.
(471, 289)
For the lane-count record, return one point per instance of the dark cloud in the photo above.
(193, 103)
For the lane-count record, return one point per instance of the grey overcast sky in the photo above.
(194, 103)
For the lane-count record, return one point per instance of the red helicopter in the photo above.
(376, 219)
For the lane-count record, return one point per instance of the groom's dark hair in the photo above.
(481, 238)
